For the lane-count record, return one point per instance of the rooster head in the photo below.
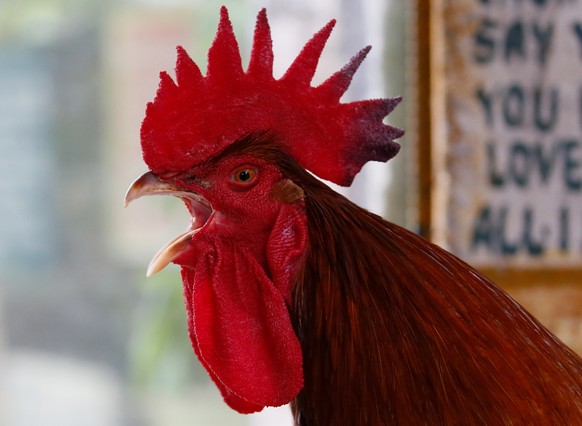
(209, 141)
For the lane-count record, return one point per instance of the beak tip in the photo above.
(152, 270)
(154, 267)
(146, 184)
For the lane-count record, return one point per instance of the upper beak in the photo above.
(148, 184)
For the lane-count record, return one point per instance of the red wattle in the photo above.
(240, 328)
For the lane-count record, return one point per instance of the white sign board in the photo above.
(513, 96)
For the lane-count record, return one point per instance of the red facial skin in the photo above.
(237, 274)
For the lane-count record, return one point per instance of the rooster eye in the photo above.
(244, 176)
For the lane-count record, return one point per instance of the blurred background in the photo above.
(85, 339)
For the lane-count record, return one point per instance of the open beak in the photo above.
(200, 209)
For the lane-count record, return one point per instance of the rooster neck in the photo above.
(338, 319)
(395, 330)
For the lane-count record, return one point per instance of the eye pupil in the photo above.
(244, 176)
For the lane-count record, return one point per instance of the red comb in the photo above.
(197, 117)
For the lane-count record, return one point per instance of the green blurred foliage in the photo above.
(161, 355)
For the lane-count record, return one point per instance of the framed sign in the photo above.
(501, 135)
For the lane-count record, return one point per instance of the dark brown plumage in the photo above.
(396, 330)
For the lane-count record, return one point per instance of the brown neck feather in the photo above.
(395, 330)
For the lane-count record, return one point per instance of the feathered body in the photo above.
(395, 330)
(295, 294)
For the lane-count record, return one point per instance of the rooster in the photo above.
(296, 295)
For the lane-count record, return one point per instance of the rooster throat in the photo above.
(199, 208)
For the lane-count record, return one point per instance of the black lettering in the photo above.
(484, 41)
(572, 165)
(483, 229)
(520, 164)
(577, 28)
(491, 227)
(514, 106)
(534, 248)
(505, 246)
(546, 163)
(544, 40)
(486, 101)
(495, 178)
(564, 229)
(514, 41)
(547, 123)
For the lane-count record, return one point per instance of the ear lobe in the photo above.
(287, 192)
(286, 245)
